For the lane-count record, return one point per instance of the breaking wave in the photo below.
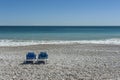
(114, 41)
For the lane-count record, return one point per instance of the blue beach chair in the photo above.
(30, 57)
(42, 57)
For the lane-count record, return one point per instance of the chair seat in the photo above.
(43, 55)
(30, 56)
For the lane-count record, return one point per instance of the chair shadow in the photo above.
(30, 62)
(27, 62)
(40, 62)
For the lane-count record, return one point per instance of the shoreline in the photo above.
(112, 41)
(72, 62)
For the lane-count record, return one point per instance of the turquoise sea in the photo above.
(21, 35)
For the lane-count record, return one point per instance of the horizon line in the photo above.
(65, 25)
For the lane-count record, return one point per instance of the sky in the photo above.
(60, 12)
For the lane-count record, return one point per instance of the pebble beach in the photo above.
(66, 62)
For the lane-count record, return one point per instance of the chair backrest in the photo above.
(43, 55)
(30, 55)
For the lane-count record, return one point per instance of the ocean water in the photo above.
(32, 35)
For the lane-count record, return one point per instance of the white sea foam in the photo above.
(115, 41)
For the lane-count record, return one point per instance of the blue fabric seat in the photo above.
(30, 55)
(43, 55)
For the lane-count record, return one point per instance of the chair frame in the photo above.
(43, 60)
(31, 60)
